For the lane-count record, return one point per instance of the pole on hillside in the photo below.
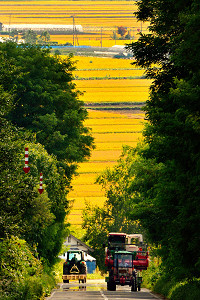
(26, 168)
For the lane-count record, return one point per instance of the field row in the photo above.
(101, 62)
(103, 96)
(110, 130)
(111, 121)
(107, 152)
(95, 115)
(108, 73)
(86, 13)
(117, 84)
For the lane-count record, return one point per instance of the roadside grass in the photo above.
(96, 275)
(157, 281)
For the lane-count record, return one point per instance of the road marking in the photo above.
(102, 294)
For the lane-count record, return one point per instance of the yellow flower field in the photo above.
(87, 13)
(114, 83)
(87, 191)
(115, 146)
(84, 179)
(114, 96)
(110, 90)
(109, 128)
(94, 115)
(94, 167)
(101, 62)
(80, 203)
(89, 40)
(99, 19)
(113, 121)
(108, 73)
(116, 138)
(99, 155)
(107, 152)
(75, 217)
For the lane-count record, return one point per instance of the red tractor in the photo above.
(126, 256)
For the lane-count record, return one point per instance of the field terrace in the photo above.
(99, 19)
(115, 119)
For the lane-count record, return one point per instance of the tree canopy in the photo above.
(170, 54)
(40, 110)
(46, 101)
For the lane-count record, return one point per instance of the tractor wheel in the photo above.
(108, 286)
(134, 285)
(111, 286)
(84, 269)
(139, 287)
(84, 280)
(65, 281)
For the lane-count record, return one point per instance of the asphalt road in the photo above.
(97, 290)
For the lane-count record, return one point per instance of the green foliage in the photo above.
(24, 212)
(114, 216)
(39, 104)
(46, 102)
(121, 30)
(20, 271)
(30, 37)
(187, 290)
(166, 200)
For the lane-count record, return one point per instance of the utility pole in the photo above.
(9, 25)
(73, 29)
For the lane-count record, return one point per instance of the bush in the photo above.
(188, 290)
(152, 274)
(163, 286)
(22, 275)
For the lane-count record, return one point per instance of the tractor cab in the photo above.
(75, 256)
(74, 265)
(123, 272)
(123, 268)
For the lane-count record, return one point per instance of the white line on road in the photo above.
(102, 294)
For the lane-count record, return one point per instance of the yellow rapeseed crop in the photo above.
(80, 202)
(123, 73)
(112, 121)
(110, 128)
(101, 62)
(99, 155)
(87, 13)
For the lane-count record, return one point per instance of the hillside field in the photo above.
(112, 125)
(99, 19)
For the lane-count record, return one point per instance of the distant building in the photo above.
(42, 27)
(75, 244)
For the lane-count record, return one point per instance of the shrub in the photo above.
(22, 275)
(187, 290)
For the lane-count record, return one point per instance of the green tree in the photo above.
(39, 219)
(44, 38)
(46, 102)
(169, 52)
(121, 30)
(113, 216)
(30, 37)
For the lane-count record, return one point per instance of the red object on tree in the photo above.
(26, 168)
(41, 190)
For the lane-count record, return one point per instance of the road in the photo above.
(96, 290)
